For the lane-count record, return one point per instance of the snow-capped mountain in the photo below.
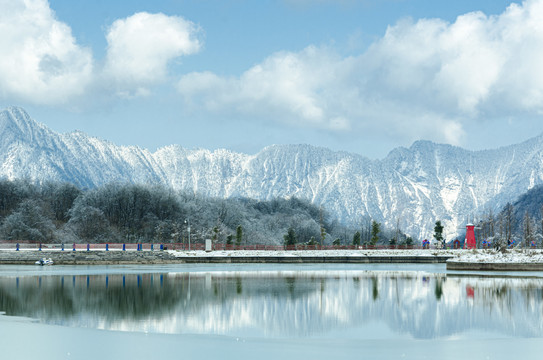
(418, 185)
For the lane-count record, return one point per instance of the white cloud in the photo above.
(40, 61)
(292, 87)
(427, 78)
(141, 46)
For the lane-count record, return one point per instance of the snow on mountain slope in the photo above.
(416, 186)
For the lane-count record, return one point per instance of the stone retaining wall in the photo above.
(162, 257)
(455, 265)
(316, 259)
(87, 258)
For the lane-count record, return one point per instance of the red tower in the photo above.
(470, 242)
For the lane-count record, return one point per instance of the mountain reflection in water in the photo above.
(283, 304)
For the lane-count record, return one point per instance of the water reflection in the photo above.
(277, 304)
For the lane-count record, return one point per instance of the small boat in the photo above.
(44, 261)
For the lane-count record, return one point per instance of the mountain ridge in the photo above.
(415, 186)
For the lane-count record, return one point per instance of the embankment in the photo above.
(87, 257)
(167, 257)
(489, 266)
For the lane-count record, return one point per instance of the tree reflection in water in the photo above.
(297, 303)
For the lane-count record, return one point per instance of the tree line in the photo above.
(518, 223)
(62, 212)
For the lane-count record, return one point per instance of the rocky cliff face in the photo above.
(417, 185)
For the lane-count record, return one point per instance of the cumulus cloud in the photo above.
(465, 68)
(141, 46)
(287, 86)
(424, 78)
(40, 61)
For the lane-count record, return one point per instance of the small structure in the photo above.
(209, 246)
(456, 244)
(44, 261)
(470, 242)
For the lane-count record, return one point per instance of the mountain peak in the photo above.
(15, 115)
(16, 124)
(418, 185)
(422, 145)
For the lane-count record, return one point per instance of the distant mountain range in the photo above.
(417, 185)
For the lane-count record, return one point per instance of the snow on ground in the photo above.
(492, 256)
(477, 255)
(314, 253)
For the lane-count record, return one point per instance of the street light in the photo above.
(187, 221)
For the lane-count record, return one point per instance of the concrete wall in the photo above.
(454, 265)
(162, 257)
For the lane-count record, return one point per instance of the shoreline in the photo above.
(115, 257)
(493, 266)
(474, 260)
(492, 260)
(87, 258)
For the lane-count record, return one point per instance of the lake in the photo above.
(383, 310)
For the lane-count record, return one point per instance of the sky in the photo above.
(362, 76)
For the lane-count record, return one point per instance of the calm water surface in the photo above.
(270, 301)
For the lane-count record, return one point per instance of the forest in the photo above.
(517, 223)
(130, 213)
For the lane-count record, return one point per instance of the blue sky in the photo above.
(360, 76)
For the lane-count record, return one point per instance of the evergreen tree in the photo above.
(438, 231)
(290, 237)
(356, 238)
(375, 230)
(229, 239)
(215, 234)
(239, 235)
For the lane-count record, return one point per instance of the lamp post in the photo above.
(188, 223)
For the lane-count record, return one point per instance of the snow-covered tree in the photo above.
(28, 222)
(90, 224)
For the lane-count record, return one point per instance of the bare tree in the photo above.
(541, 233)
(397, 232)
(490, 225)
(528, 229)
(500, 239)
(509, 222)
